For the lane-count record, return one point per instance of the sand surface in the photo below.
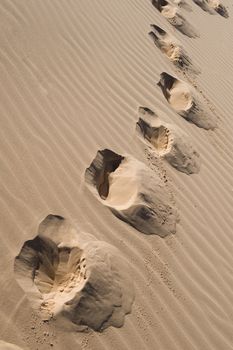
(73, 75)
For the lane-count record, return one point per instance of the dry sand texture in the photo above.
(73, 76)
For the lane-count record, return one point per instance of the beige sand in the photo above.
(73, 74)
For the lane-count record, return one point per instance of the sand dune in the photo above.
(73, 75)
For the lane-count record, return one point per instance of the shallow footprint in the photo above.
(186, 102)
(171, 13)
(132, 191)
(68, 274)
(171, 48)
(168, 142)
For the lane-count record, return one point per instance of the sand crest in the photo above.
(136, 194)
(168, 141)
(70, 274)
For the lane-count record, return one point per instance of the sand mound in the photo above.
(171, 48)
(171, 13)
(185, 101)
(84, 280)
(167, 141)
(8, 346)
(135, 194)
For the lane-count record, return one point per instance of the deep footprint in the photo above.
(167, 141)
(171, 48)
(69, 275)
(132, 191)
(171, 13)
(186, 102)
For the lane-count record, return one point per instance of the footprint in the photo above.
(186, 102)
(218, 7)
(67, 273)
(135, 194)
(204, 6)
(168, 142)
(212, 6)
(171, 48)
(171, 13)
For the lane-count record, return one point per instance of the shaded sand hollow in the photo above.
(73, 75)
